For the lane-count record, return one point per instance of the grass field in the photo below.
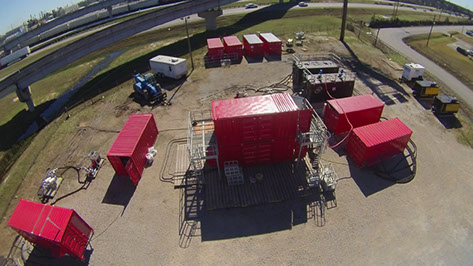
(438, 50)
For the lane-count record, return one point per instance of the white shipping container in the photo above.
(23, 52)
(413, 71)
(171, 67)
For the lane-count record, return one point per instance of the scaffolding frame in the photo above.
(201, 142)
(316, 138)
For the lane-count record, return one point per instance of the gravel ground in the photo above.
(427, 221)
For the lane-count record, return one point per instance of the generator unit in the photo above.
(425, 89)
(444, 105)
(321, 87)
(412, 72)
(303, 68)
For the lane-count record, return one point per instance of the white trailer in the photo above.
(413, 71)
(23, 52)
(171, 67)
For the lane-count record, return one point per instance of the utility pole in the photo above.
(344, 18)
(189, 41)
(430, 33)
(376, 41)
(395, 9)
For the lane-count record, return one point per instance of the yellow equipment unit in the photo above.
(425, 89)
(445, 105)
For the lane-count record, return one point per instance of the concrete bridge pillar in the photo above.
(210, 17)
(24, 96)
(109, 10)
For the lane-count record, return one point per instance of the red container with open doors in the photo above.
(128, 153)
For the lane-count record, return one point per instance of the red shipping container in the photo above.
(215, 49)
(258, 130)
(58, 229)
(233, 47)
(374, 143)
(254, 119)
(272, 44)
(360, 110)
(128, 153)
(253, 45)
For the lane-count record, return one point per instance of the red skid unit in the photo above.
(128, 153)
(260, 129)
(233, 47)
(361, 110)
(371, 144)
(272, 44)
(57, 229)
(215, 49)
(253, 45)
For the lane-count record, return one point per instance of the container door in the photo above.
(265, 128)
(249, 154)
(331, 118)
(249, 127)
(264, 153)
(132, 172)
(117, 165)
(305, 118)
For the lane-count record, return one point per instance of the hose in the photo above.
(346, 117)
(170, 179)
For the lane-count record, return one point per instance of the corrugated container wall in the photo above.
(253, 45)
(233, 47)
(57, 229)
(258, 130)
(371, 144)
(272, 44)
(361, 110)
(128, 153)
(215, 49)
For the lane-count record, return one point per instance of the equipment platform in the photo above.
(278, 183)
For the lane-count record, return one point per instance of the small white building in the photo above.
(168, 66)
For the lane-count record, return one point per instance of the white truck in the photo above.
(23, 52)
(167, 66)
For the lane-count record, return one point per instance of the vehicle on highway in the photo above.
(303, 4)
(15, 56)
(251, 5)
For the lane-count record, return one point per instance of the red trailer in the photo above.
(360, 110)
(272, 44)
(128, 153)
(260, 129)
(233, 47)
(371, 144)
(253, 45)
(215, 49)
(55, 228)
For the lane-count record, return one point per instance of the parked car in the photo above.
(469, 32)
(251, 5)
(303, 4)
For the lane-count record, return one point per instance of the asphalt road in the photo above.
(393, 37)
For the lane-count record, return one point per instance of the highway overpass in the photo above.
(22, 39)
(22, 79)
